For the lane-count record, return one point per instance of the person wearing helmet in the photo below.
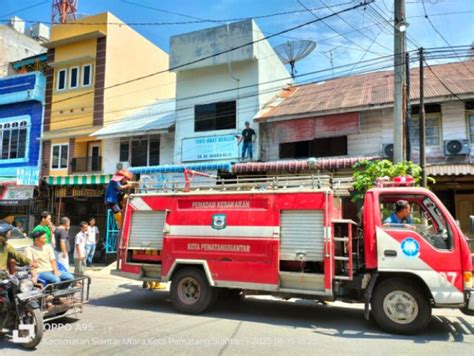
(117, 185)
(8, 252)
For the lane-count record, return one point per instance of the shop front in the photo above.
(78, 197)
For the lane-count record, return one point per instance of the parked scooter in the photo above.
(20, 311)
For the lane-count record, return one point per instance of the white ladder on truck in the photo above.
(341, 186)
(343, 248)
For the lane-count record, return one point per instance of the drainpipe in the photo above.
(237, 80)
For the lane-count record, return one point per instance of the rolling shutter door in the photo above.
(147, 230)
(302, 232)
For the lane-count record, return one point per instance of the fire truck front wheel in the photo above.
(191, 292)
(399, 306)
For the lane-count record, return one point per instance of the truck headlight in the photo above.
(467, 280)
(26, 285)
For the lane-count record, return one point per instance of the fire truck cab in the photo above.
(287, 237)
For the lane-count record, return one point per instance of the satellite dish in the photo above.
(292, 51)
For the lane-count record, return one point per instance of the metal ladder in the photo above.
(111, 234)
(343, 254)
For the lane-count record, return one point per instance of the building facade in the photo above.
(88, 65)
(352, 117)
(21, 113)
(18, 42)
(218, 89)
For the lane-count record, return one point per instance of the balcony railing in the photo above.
(86, 164)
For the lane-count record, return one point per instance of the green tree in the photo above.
(366, 172)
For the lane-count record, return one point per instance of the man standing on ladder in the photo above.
(116, 187)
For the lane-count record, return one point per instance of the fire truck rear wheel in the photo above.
(191, 292)
(399, 306)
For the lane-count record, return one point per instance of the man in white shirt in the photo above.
(80, 249)
(92, 239)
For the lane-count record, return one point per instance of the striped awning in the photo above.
(299, 165)
(79, 179)
(173, 168)
(450, 169)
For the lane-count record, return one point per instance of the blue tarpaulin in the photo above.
(225, 166)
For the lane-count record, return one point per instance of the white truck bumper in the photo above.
(470, 305)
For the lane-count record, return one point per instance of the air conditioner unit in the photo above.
(388, 150)
(122, 165)
(457, 147)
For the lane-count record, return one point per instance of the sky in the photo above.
(453, 19)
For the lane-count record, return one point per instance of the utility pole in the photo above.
(407, 108)
(399, 91)
(422, 121)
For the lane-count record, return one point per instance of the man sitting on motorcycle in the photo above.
(7, 252)
(43, 255)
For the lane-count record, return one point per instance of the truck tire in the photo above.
(399, 306)
(191, 292)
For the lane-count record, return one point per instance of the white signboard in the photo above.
(18, 193)
(27, 176)
(210, 148)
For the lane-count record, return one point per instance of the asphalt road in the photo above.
(123, 318)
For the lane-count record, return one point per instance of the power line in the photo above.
(25, 8)
(221, 52)
(354, 28)
(442, 83)
(251, 108)
(370, 62)
(436, 30)
(330, 26)
(250, 94)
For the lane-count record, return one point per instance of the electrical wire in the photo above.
(438, 32)
(250, 94)
(24, 9)
(221, 52)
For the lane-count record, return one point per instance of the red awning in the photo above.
(298, 165)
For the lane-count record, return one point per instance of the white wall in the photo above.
(167, 148)
(251, 66)
(210, 80)
(454, 120)
(192, 46)
(15, 46)
(110, 154)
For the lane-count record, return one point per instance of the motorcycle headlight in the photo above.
(26, 285)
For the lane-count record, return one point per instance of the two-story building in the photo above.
(91, 84)
(341, 121)
(224, 76)
(21, 113)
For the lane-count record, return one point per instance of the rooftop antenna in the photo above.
(292, 51)
(63, 11)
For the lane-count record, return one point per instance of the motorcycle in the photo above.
(20, 308)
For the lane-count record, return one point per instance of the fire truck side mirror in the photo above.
(471, 224)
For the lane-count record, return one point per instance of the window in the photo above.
(215, 116)
(13, 137)
(61, 79)
(74, 78)
(432, 130)
(423, 218)
(86, 75)
(139, 153)
(154, 152)
(124, 151)
(59, 159)
(471, 127)
(142, 152)
(322, 147)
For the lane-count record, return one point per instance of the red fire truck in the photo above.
(287, 237)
